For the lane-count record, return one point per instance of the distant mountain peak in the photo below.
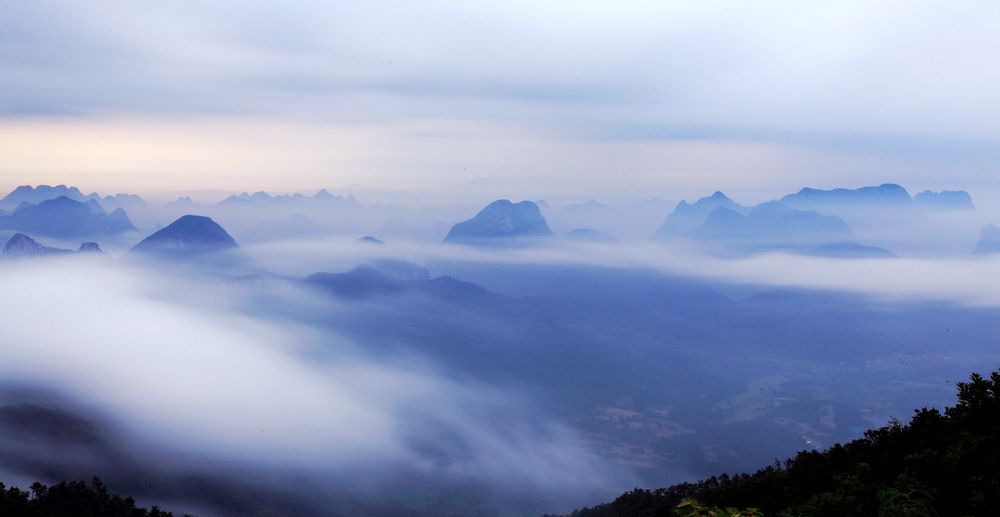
(95, 206)
(501, 220)
(20, 245)
(90, 247)
(368, 239)
(989, 240)
(771, 225)
(944, 200)
(687, 217)
(188, 235)
(885, 195)
(719, 196)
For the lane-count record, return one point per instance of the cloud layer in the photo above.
(192, 385)
(445, 92)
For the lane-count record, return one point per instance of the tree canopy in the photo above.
(938, 464)
(71, 499)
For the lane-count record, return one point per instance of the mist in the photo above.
(307, 370)
(198, 380)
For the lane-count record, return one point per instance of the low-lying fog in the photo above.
(188, 380)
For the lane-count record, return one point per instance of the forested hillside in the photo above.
(937, 464)
(71, 499)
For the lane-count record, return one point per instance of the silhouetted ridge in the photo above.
(74, 498)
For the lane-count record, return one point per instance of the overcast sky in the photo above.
(589, 99)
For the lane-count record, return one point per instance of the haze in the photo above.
(470, 259)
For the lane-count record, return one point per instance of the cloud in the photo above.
(193, 384)
(857, 82)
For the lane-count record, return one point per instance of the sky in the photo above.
(590, 99)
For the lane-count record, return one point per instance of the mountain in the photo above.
(123, 201)
(501, 222)
(95, 206)
(321, 198)
(887, 195)
(183, 201)
(686, 217)
(396, 277)
(36, 195)
(589, 235)
(20, 245)
(361, 282)
(66, 218)
(191, 235)
(73, 497)
(368, 239)
(90, 247)
(771, 226)
(989, 240)
(381, 277)
(944, 200)
(942, 462)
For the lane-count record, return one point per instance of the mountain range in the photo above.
(811, 221)
(40, 193)
(66, 218)
(772, 225)
(321, 198)
(22, 246)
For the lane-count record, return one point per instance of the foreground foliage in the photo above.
(938, 464)
(70, 499)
